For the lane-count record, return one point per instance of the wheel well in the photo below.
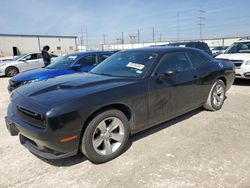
(123, 108)
(10, 67)
(223, 79)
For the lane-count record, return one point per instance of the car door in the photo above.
(32, 61)
(172, 87)
(87, 62)
(202, 66)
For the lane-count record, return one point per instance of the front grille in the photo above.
(31, 117)
(30, 113)
(237, 63)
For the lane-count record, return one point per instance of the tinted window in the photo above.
(102, 57)
(63, 62)
(39, 56)
(89, 60)
(30, 57)
(196, 59)
(178, 61)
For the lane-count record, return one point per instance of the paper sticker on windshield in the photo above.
(72, 57)
(135, 65)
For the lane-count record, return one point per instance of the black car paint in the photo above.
(65, 104)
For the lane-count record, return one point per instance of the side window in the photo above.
(39, 56)
(196, 59)
(178, 61)
(30, 57)
(102, 57)
(89, 60)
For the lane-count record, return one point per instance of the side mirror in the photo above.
(76, 67)
(170, 72)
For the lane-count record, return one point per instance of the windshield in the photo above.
(126, 64)
(239, 47)
(19, 57)
(62, 62)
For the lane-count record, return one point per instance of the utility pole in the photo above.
(178, 25)
(104, 38)
(138, 36)
(160, 37)
(153, 33)
(122, 41)
(87, 40)
(118, 40)
(81, 40)
(201, 19)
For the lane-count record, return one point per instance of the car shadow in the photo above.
(164, 125)
(79, 158)
(66, 162)
(242, 82)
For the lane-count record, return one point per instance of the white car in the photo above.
(21, 63)
(239, 54)
(218, 50)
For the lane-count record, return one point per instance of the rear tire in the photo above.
(216, 96)
(106, 136)
(11, 71)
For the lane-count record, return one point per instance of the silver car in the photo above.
(21, 63)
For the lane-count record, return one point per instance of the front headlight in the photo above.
(29, 81)
(2, 64)
(247, 62)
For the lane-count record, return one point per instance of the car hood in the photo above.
(60, 89)
(234, 56)
(39, 73)
(8, 61)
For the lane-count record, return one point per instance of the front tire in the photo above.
(106, 136)
(216, 96)
(11, 71)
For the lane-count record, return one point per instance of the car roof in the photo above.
(90, 53)
(163, 49)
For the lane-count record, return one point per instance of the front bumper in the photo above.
(2, 72)
(242, 72)
(43, 142)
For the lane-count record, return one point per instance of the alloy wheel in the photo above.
(108, 136)
(218, 95)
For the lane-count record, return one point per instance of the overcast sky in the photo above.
(111, 17)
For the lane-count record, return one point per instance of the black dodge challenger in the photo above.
(132, 90)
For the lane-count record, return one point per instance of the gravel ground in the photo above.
(198, 149)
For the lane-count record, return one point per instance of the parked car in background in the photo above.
(199, 45)
(130, 91)
(22, 63)
(7, 58)
(218, 50)
(239, 54)
(68, 64)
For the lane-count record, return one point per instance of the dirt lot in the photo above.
(199, 149)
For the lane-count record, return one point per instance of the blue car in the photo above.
(72, 63)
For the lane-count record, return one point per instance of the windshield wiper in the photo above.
(104, 74)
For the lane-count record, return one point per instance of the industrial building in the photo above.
(13, 44)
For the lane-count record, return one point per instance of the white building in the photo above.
(14, 44)
(212, 42)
